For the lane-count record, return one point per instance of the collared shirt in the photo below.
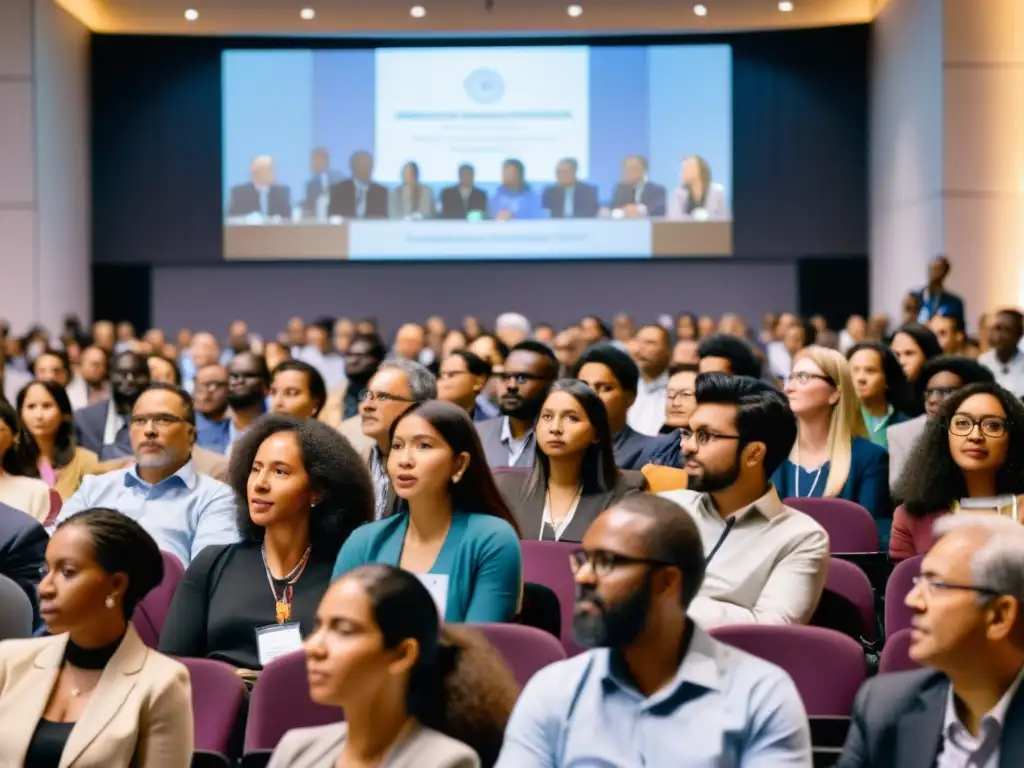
(516, 447)
(647, 414)
(877, 425)
(767, 563)
(1009, 375)
(213, 435)
(184, 512)
(362, 190)
(115, 423)
(961, 749)
(567, 209)
(381, 483)
(723, 708)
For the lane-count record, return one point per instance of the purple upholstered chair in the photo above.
(827, 667)
(151, 611)
(218, 702)
(896, 654)
(848, 604)
(547, 563)
(526, 649)
(280, 701)
(901, 581)
(850, 527)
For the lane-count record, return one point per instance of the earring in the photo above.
(456, 478)
(109, 602)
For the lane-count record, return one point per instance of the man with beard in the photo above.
(656, 690)
(766, 562)
(248, 386)
(523, 385)
(103, 427)
(652, 350)
(183, 510)
(365, 354)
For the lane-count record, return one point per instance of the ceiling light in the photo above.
(191, 14)
(417, 11)
(785, 6)
(307, 14)
(700, 10)
(574, 10)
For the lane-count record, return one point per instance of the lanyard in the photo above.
(283, 604)
(796, 477)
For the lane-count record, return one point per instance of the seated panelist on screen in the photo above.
(261, 195)
(319, 185)
(515, 199)
(359, 197)
(635, 197)
(411, 200)
(570, 198)
(697, 198)
(464, 198)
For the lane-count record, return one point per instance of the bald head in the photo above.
(409, 341)
(204, 349)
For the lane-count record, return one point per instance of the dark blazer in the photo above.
(90, 424)
(495, 451)
(343, 200)
(245, 199)
(652, 196)
(662, 450)
(629, 446)
(525, 494)
(315, 188)
(23, 553)
(584, 201)
(897, 723)
(452, 206)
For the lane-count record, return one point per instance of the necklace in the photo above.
(283, 604)
(559, 527)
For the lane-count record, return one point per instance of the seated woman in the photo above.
(973, 449)
(415, 695)
(297, 389)
(574, 477)
(882, 389)
(93, 694)
(453, 528)
(914, 345)
(46, 446)
(462, 379)
(832, 456)
(301, 491)
(29, 494)
(697, 198)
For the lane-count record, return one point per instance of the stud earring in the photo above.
(109, 602)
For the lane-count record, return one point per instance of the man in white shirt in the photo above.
(766, 562)
(652, 352)
(1005, 359)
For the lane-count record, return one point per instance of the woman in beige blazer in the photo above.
(414, 695)
(93, 695)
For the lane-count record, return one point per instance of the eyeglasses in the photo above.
(602, 562)
(927, 583)
(703, 437)
(519, 379)
(160, 420)
(963, 425)
(806, 377)
(672, 394)
(368, 396)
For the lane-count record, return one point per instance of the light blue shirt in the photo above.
(723, 709)
(183, 513)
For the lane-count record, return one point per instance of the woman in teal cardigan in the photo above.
(453, 530)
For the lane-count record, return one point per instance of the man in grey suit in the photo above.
(967, 707)
(523, 385)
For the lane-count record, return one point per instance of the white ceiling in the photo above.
(509, 17)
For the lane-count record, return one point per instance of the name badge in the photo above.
(437, 586)
(276, 640)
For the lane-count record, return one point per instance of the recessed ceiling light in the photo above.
(417, 11)
(785, 6)
(307, 14)
(700, 10)
(574, 10)
(191, 14)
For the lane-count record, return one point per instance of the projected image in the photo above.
(498, 152)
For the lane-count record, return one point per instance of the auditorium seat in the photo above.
(218, 706)
(525, 649)
(151, 612)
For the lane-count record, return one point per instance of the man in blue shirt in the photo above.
(934, 300)
(183, 510)
(658, 691)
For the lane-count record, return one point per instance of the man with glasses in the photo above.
(523, 385)
(656, 690)
(766, 562)
(103, 427)
(213, 423)
(966, 708)
(182, 509)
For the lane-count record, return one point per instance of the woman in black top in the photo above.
(301, 489)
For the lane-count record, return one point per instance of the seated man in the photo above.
(23, 553)
(657, 690)
(180, 508)
(766, 562)
(728, 354)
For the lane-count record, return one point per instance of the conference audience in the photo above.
(1006, 359)
(181, 508)
(966, 707)
(652, 350)
(697, 198)
(103, 427)
(210, 396)
(92, 694)
(574, 476)
(680, 397)
(832, 456)
(453, 528)
(362, 359)
(728, 354)
(414, 694)
(881, 387)
(90, 383)
(765, 562)
(951, 333)
(411, 200)
(914, 345)
(25, 493)
(637, 573)
(972, 450)
(461, 380)
(297, 389)
(248, 387)
(52, 365)
(23, 553)
(163, 370)
(515, 198)
(933, 299)
(301, 490)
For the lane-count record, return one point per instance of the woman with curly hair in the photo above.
(415, 694)
(301, 490)
(973, 449)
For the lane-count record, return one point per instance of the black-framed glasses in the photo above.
(927, 584)
(702, 437)
(602, 562)
(368, 396)
(963, 425)
(806, 377)
(519, 379)
(160, 421)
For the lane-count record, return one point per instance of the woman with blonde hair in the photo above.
(832, 456)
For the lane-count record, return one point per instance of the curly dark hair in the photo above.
(931, 480)
(334, 468)
(897, 389)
